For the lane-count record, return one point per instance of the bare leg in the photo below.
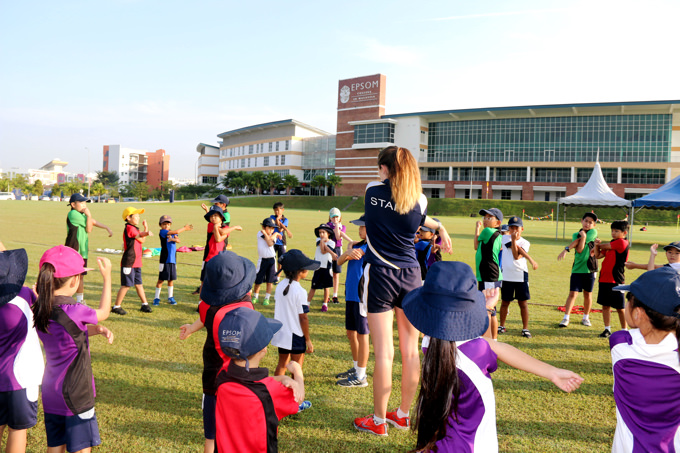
(524, 313)
(281, 366)
(505, 304)
(59, 449)
(336, 283)
(299, 358)
(587, 302)
(16, 439)
(493, 326)
(622, 318)
(140, 293)
(607, 315)
(383, 350)
(363, 352)
(121, 295)
(209, 446)
(410, 360)
(353, 344)
(569, 304)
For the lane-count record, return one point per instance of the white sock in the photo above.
(377, 420)
(158, 293)
(145, 303)
(267, 296)
(116, 306)
(401, 414)
(171, 291)
(256, 296)
(361, 372)
(566, 317)
(335, 294)
(585, 316)
(355, 364)
(79, 298)
(609, 328)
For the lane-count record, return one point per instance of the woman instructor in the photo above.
(394, 209)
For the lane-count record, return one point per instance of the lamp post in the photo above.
(89, 182)
(472, 166)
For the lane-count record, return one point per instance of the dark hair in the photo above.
(291, 276)
(591, 215)
(277, 205)
(660, 322)
(46, 285)
(621, 225)
(439, 393)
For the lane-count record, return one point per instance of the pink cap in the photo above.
(66, 261)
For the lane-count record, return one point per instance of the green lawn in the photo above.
(149, 382)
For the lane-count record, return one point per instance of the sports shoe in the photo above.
(265, 301)
(501, 329)
(172, 301)
(145, 308)
(526, 333)
(304, 405)
(345, 374)
(324, 307)
(197, 291)
(605, 334)
(586, 322)
(353, 381)
(367, 424)
(118, 311)
(564, 322)
(156, 301)
(398, 422)
(335, 300)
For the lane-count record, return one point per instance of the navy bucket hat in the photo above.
(658, 289)
(213, 210)
(244, 332)
(228, 278)
(329, 230)
(294, 260)
(13, 268)
(448, 306)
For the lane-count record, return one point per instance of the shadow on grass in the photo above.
(548, 431)
(146, 397)
(160, 365)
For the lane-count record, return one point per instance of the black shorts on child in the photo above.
(76, 432)
(515, 290)
(322, 278)
(167, 272)
(16, 411)
(266, 272)
(280, 249)
(209, 424)
(298, 346)
(353, 319)
(337, 269)
(607, 297)
(130, 276)
(582, 282)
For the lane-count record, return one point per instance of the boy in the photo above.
(167, 270)
(281, 226)
(487, 242)
(217, 234)
(356, 322)
(583, 270)
(221, 201)
(615, 254)
(266, 262)
(131, 262)
(515, 274)
(249, 403)
(79, 223)
(672, 255)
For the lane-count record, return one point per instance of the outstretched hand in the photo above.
(566, 380)
(104, 265)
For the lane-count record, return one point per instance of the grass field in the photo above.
(149, 382)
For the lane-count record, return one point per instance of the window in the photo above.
(287, 145)
(435, 193)
(249, 162)
(283, 160)
(506, 194)
(437, 174)
(243, 163)
(266, 161)
(510, 174)
(277, 146)
(583, 174)
(209, 180)
(277, 160)
(270, 146)
(643, 176)
(553, 175)
(250, 149)
(374, 133)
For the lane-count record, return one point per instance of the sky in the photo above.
(76, 75)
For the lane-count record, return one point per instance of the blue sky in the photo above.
(148, 74)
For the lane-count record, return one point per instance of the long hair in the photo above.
(660, 322)
(45, 287)
(439, 393)
(404, 177)
(291, 276)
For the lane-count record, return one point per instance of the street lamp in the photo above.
(89, 182)
(472, 166)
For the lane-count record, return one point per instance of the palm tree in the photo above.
(70, 188)
(97, 189)
(273, 181)
(37, 188)
(248, 181)
(290, 182)
(334, 181)
(258, 180)
(320, 181)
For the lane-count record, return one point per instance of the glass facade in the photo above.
(308, 175)
(437, 174)
(643, 176)
(374, 133)
(318, 153)
(552, 175)
(618, 138)
(511, 174)
(583, 174)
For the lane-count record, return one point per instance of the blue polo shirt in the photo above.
(390, 235)
(355, 269)
(276, 229)
(168, 248)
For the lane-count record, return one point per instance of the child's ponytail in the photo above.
(45, 287)
(291, 276)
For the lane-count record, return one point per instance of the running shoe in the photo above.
(172, 301)
(265, 301)
(145, 308)
(304, 405)
(605, 334)
(118, 311)
(324, 307)
(335, 300)
(586, 322)
(501, 329)
(564, 322)
(197, 291)
(398, 422)
(345, 374)
(367, 424)
(353, 381)
(156, 301)
(526, 333)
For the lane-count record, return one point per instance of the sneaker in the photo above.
(197, 291)
(345, 374)
(526, 333)
(605, 334)
(586, 322)
(353, 381)
(335, 300)
(564, 322)
(304, 405)
(501, 329)
(145, 308)
(324, 307)
(400, 423)
(118, 311)
(265, 301)
(367, 424)
(156, 301)
(172, 301)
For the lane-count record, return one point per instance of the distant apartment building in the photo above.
(208, 164)
(135, 165)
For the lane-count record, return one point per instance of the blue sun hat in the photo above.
(448, 306)
(244, 332)
(658, 289)
(13, 269)
(228, 278)
(213, 210)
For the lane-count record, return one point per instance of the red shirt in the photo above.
(213, 247)
(249, 407)
(613, 266)
(132, 256)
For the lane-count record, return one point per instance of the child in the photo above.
(672, 255)
(249, 403)
(426, 249)
(266, 262)
(79, 223)
(64, 327)
(335, 223)
(583, 270)
(167, 270)
(615, 254)
(228, 280)
(221, 202)
(516, 274)
(456, 388)
(217, 234)
(131, 262)
(356, 322)
(488, 245)
(323, 277)
(21, 360)
(646, 366)
(281, 227)
(291, 309)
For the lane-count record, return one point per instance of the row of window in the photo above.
(374, 133)
(257, 148)
(253, 162)
(509, 174)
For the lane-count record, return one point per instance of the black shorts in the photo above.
(582, 282)
(607, 297)
(84, 265)
(280, 249)
(337, 269)
(76, 432)
(130, 276)
(16, 411)
(266, 271)
(515, 290)
(353, 319)
(488, 285)
(386, 286)
(208, 406)
(322, 279)
(298, 346)
(167, 272)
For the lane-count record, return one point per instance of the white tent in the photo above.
(596, 192)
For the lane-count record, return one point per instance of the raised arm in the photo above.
(441, 231)
(652, 256)
(105, 300)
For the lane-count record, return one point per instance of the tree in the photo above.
(273, 181)
(258, 181)
(319, 181)
(37, 188)
(290, 182)
(108, 178)
(334, 181)
(5, 184)
(56, 188)
(70, 188)
(139, 190)
(97, 189)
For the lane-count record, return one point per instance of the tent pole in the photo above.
(557, 220)
(564, 223)
(630, 229)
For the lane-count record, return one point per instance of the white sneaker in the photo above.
(564, 322)
(586, 322)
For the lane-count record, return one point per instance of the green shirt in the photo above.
(76, 232)
(487, 257)
(581, 259)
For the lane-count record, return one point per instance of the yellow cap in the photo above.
(130, 210)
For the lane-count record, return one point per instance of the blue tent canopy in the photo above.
(665, 197)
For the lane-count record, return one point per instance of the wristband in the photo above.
(439, 226)
(567, 249)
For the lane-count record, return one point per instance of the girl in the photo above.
(646, 365)
(424, 248)
(291, 309)
(335, 223)
(325, 255)
(64, 327)
(455, 410)
(21, 360)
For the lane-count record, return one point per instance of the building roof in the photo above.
(271, 125)
(54, 163)
(550, 110)
(200, 148)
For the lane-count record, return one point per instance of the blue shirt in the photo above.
(355, 268)
(390, 235)
(168, 248)
(276, 230)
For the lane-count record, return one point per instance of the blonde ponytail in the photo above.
(403, 175)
